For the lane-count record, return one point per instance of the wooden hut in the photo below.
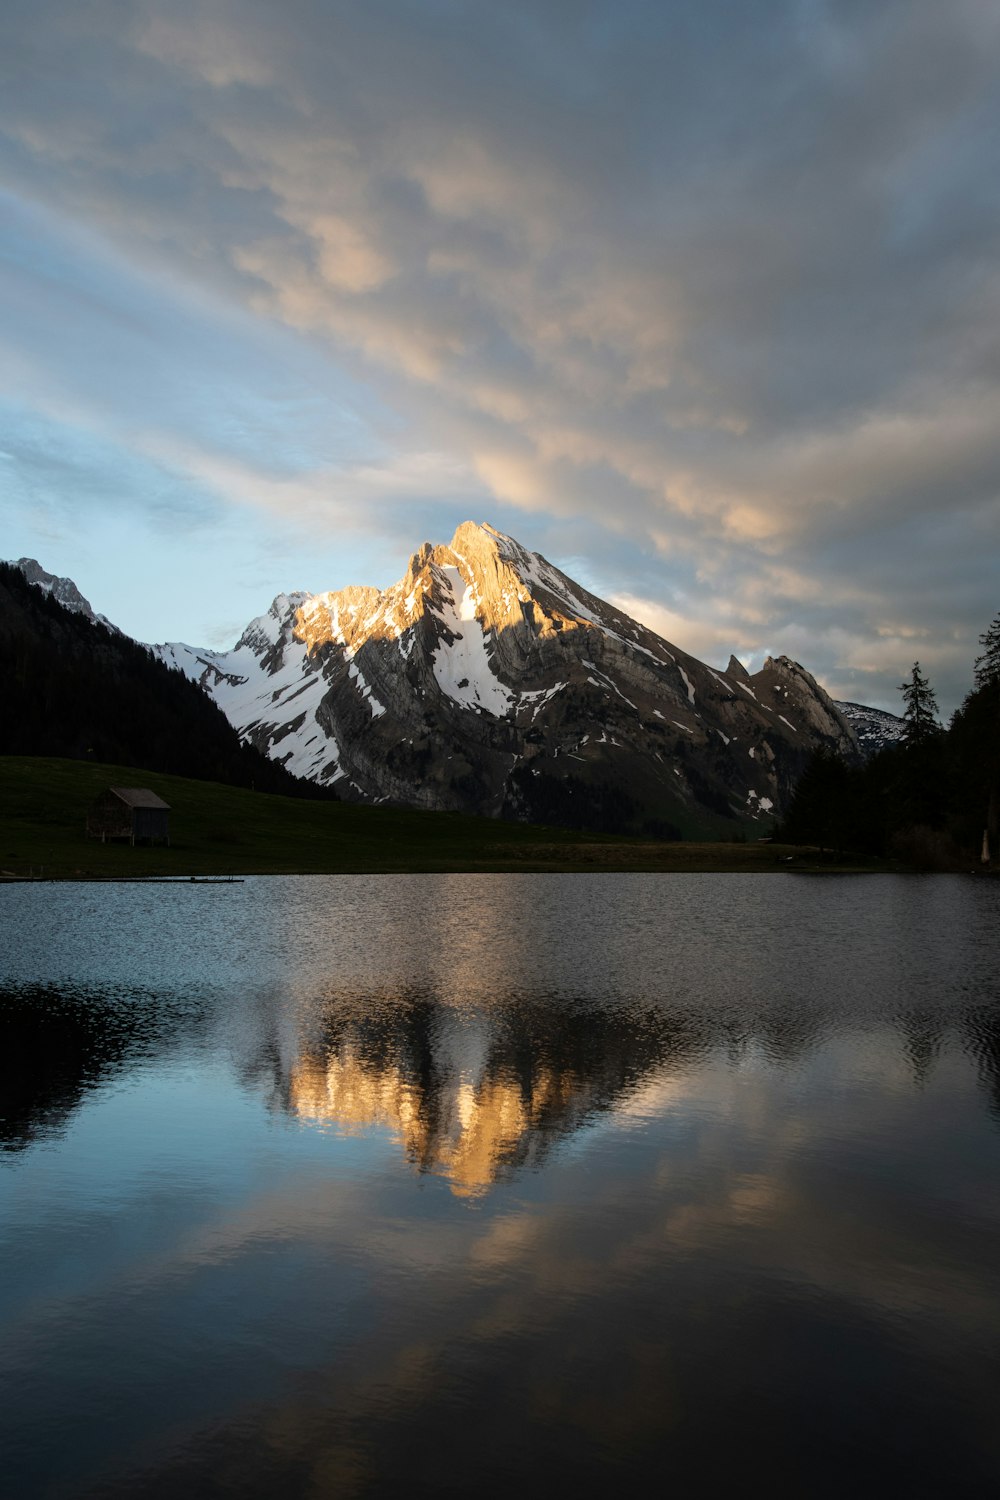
(129, 812)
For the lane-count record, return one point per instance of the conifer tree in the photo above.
(981, 716)
(987, 666)
(921, 711)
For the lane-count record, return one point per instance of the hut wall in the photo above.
(150, 823)
(109, 818)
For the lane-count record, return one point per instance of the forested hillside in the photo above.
(931, 798)
(69, 687)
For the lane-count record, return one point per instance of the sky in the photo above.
(700, 299)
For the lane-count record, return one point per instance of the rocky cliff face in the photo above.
(62, 589)
(488, 681)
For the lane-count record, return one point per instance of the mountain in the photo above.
(72, 686)
(63, 590)
(875, 729)
(487, 681)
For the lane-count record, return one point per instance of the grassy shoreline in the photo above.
(220, 831)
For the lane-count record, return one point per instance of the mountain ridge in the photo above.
(63, 590)
(487, 680)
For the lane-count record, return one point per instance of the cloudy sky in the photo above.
(699, 298)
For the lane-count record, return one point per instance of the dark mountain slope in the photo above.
(71, 687)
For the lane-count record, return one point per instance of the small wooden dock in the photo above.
(184, 880)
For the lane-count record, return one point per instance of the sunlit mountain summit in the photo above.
(488, 681)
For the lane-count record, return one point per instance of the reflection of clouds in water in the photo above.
(742, 1163)
(592, 1158)
(736, 1224)
(478, 1095)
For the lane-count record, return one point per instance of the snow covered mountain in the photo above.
(486, 680)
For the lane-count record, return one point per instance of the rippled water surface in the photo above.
(340, 1186)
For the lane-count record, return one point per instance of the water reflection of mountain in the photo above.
(472, 1093)
(475, 1095)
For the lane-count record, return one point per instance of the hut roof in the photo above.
(139, 796)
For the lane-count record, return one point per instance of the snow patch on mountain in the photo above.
(354, 672)
(462, 663)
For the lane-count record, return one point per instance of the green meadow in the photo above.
(223, 830)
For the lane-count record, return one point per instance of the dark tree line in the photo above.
(73, 688)
(930, 798)
(570, 802)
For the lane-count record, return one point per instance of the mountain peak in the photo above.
(487, 680)
(63, 590)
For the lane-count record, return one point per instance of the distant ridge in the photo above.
(64, 590)
(875, 728)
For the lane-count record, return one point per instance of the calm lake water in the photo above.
(339, 1186)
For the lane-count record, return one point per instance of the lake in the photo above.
(346, 1186)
